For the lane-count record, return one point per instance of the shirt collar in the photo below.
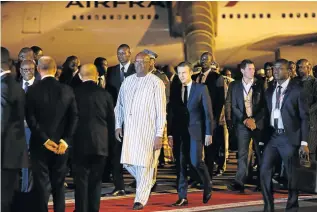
(31, 81)
(250, 83)
(89, 80)
(284, 84)
(126, 66)
(271, 78)
(49, 75)
(189, 84)
(74, 73)
(4, 72)
(206, 73)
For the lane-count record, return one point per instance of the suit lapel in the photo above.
(191, 93)
(270, 92)
(286, 93)
(130, 69)
(240, 93)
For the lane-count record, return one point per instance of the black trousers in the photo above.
(117, 167)
(191, 151)
(49, 171)
(278, 146)
(244, 136)
(9, 181)
(212, 151)
(88, 176)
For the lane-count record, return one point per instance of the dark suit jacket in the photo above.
(235, 108)
(13, 143)
(215, 85)
(114, 82)
(69, 79)
(196, 116)
(51, 113)
(96, 120)
(294, 112)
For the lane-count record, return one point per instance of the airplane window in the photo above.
(231, 16)
(149, 17)
(239, 16)
(268, 15)
(119, 17)
(141, 17)
(81, 17)
(74, 17)
(283, 15)
(97, 17)
(261, 15)
(298, 15)
(134, 17)
(253, 15)
(156, 16)
(223, 16)
(89, 17)
(126, 17)
(313, 15)
(306, 15)
(111, 17)
(104, 17)
(246, 16)
(291, 15)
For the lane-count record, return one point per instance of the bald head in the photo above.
(46, 66)
(142, 64)
(89, 72)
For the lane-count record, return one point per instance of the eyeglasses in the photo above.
(27, 69)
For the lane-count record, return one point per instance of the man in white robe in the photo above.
(141, 112)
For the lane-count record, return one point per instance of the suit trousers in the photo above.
(117, 168)
(27, 178)
(9, 180)
(212, 150)
(244, 136)
(88, 176)
(278, 145)
(192, 151)
(49, 171)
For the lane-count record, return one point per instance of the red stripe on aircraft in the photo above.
(231, 3)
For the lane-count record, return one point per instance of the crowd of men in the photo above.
(95, 120)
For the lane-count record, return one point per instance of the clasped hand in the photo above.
(59, 149)
(250, 123)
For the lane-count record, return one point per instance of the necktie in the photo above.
(122, 74)
(185, 95)
(201, 77)
(277, 104)
(99, 81)
(26, 86)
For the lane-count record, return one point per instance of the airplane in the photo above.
(260, 31)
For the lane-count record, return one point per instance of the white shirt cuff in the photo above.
(64, 142)
(46, 141)
(304, 143)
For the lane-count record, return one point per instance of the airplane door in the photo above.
(31, 18)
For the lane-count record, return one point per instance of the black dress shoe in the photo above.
(118, 193)
(206, 197)
(219, 172)
(181, 202)
(236, 187)
(137, 206)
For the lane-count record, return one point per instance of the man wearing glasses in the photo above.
(27, 71)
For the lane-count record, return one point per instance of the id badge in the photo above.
(276, 113)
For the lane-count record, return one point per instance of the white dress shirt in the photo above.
(49, 75)
(189, 86)
(126, 66)
(205, 74)
(31, 81)
(271, 79)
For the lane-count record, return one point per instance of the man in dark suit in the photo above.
(190, 118)
(27, 71)
(115, 77)
(94, 132)
(214, 81)
(51, 114)
(288, 130)
(245, 112)
(13, 145)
